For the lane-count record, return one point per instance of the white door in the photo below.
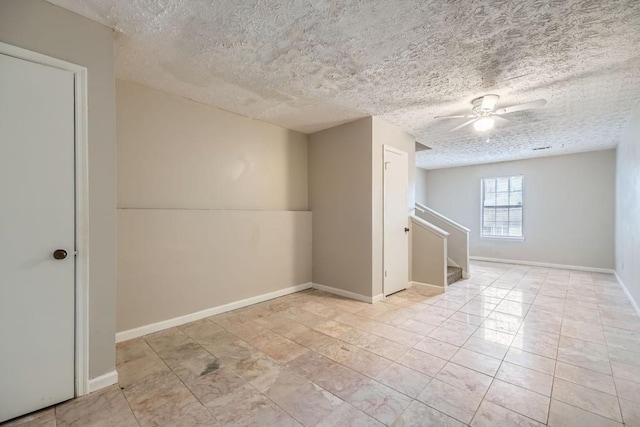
(36, 219)
(396, 219)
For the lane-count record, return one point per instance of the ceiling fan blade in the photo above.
(489, 102)
(454, 117)
(520, 107)
(467, 123)
(500, 121)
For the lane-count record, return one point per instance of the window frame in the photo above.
(495, 237)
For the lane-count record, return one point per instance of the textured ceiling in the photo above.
(311, 64)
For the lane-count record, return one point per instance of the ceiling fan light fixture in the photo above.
(483, 124)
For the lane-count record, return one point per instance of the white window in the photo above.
(502, 207)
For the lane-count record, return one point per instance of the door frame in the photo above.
(81, 161)
(384, 204)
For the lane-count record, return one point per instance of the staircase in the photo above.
(453, 274)
(440, 248)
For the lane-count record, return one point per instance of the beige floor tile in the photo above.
(164, 400)
(107, 406)
(385, 348)
(304, 352)
(594, 401)
(419, 415)
(537, 342)
(464, 378)
(449, 336)
(137, 370)
(489, 348)
(437, 348)
(515, 308)
(467, 318)
(494, 336)
(42, 418)
(530, 360)
(417, 327)
(456, 402)
(380, 402)
(627, 390)
(347, 415)
(627, 357)
(340, 380)
(477, 361)
(584, 331)
(563, 415)
(491, 415)
(422, 362)
(623, 343)
(584, 354)
(132, 349)
(302, 399)
(238, 405)
(454, 325)
(277, 347)
(626, 371)
(630, 413)
(366, 363)
(586, 377)
(309, 365)
(403, 379)
(504, 326)
(525, 378)
(517, 399)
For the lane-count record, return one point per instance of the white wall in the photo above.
(212, 207)
(628, 207)
(568, 207)
(41, 27)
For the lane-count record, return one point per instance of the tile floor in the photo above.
(513, 345)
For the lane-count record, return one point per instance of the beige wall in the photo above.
(176, 153)
(340, 199)
(345, 195)
(568, 207)
(38, 26)
(174, 262)
(387, 134)
(212, 207)
(429, 248)
(628, 207)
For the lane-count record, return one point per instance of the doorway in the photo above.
(395, 220)
(43, 223)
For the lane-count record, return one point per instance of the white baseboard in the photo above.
(181, 320)
(347, 294)
(97, 383)
(377, 298)
(543, 264)
(427, 284)
(627, 293)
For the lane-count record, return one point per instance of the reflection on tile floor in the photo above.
(513, 345)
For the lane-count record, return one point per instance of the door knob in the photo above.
(59, 254)
(406, 229)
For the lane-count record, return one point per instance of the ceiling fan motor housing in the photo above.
(484, 105)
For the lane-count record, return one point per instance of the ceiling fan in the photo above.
(484, 114)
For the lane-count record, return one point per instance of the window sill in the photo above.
(516, 239)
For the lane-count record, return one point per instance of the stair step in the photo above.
(453, 274)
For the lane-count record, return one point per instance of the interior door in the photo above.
(36, 218)
(396, 220)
